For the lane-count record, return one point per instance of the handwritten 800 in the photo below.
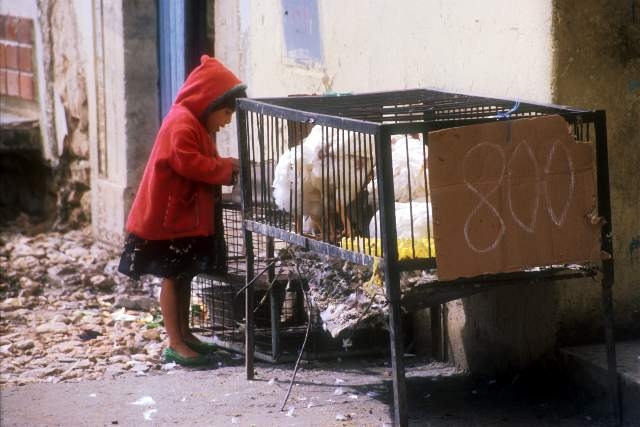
(558, 217)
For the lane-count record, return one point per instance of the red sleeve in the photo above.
(187, 160)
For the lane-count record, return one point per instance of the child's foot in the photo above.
(183, 349)
(170, 355)
(195, 344)
(201, 347)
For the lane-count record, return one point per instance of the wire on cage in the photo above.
(506, 114)
(267, 293)
(304, 342)
(252, 281)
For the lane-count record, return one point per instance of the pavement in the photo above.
(338, 392)
(587, 366)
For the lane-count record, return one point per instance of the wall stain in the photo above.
(634, 245)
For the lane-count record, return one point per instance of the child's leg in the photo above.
(184, 295)
(170, 304)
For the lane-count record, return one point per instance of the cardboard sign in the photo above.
(512, 195)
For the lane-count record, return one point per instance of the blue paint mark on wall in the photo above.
(171, 35)
(302, 31)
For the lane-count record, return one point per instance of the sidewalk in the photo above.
(334, 393)
(588, 367)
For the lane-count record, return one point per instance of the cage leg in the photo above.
(613, 384)
(275, 300)
(397, 365)
(249, 332)
(248, 308)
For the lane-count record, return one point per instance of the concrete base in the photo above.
(587, 366)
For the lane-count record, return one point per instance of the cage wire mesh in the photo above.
(312, 169)
(320, 171)
(314, 165)
(281, 309)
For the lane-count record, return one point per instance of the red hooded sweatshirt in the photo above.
(175, 197)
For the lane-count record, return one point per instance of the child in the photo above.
(171, 228)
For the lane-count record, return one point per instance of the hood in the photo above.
(205, 84)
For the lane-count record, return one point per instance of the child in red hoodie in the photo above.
(171, 228)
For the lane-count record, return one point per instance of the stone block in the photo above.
(24, 31)
(11, 56)
(11, 28)
(25, 58)
(26, 86)
(13, 83)
(3, 82)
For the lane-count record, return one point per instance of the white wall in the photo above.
(492, 48)
(488, 48)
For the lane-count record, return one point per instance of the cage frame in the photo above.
(321, 110)
(216, 291)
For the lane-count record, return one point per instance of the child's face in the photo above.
(219, 119)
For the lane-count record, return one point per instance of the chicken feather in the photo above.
(322, 176)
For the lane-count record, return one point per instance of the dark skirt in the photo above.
(181, 258)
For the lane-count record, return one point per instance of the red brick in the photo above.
(26, 86)
(11, 56)
(3, 82)
(25, 58)
(11, 28)
(3, 56)
(13, 83)
(25, 31)
(3, 19)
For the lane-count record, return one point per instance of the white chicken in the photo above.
(294, 188)
(322, 176)
(409, 164)
(413, 220)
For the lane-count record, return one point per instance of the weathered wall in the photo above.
(123, 106)
(60, 103)
(29, 9)
(491, 48)
(26, 185)
(484, 48)
(65, 77)
(597, 65)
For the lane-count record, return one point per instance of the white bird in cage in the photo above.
(409, 165)
(322, 176)
(413, 219)
(292, 177)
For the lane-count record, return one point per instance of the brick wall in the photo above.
(17, 58)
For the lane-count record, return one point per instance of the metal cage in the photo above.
(318, 172)
(281, 312)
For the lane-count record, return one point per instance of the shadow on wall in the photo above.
(506, 330)
(597, 65)
(26, 187)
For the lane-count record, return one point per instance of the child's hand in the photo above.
(236, 166)
(235, 170)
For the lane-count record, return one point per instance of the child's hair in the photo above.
(228, 100)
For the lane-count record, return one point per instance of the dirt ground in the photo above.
(350, 392)
(43, 314)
